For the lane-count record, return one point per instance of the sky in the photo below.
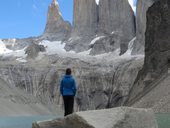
(25, 18)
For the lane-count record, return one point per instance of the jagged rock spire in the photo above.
(55, 2)
(56, 27)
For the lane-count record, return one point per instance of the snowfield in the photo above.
(57, 48)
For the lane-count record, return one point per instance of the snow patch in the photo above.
(96, 39)
(3, 49)
(21, 60)
(97, 2)
(130, 46)
(55, 47)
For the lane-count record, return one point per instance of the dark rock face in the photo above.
(157, 47)
(141, 10)
(56, 27)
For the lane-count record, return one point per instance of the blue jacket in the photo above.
(68, 86)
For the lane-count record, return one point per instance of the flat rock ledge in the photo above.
(121, 117)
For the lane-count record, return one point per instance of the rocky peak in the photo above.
(54, 2)
(117, 16)
(85, 17)
(102, 18)
(56, 27)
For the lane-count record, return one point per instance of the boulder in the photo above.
(122, 117)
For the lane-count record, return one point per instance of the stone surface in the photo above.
(33, 50)
(17, 102)
(84, 17)
(56, 28)
(117, 16)
(84, 25)
(103, 45)
(157, 98)
(141, 10)
(157, 49)
(102, 82)
(91, 20)
(122, 117)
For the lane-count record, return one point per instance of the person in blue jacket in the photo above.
(68, 91)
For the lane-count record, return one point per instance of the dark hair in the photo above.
(68, 71)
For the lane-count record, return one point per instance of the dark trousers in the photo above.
(68, 104)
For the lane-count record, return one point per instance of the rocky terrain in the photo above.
(98, 47)
(156, 63)
(121, 117)
(16, 102)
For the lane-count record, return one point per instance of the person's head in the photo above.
(68, 71)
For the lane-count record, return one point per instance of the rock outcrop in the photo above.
(111, 18)
(157, 98)
(84, 25)
(84, 18)
(141, 11)
(17, 102)
(110, 118)
(157, 48)
(102, 83)
(33, 50)
(56, 27)
(116, 16)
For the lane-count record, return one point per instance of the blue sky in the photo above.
(25, 18)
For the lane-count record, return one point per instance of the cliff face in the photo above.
(84, 25)
(56, 27)
(141, 10)
(111, 18)
(84, 17)
(157, 48)
(116, 15)
(101, 83)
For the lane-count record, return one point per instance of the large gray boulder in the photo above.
(122, 117)
(56, 28)
(141, 10)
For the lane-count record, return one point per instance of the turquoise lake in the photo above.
(26, 122)
(22, 122)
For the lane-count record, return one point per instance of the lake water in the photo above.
(22, 122)
(26, 122)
